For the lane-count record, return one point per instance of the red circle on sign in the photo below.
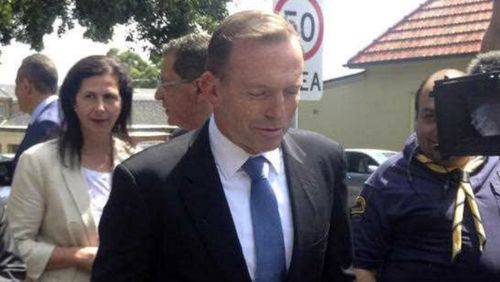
(317, 8)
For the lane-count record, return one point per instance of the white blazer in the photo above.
(49, 206)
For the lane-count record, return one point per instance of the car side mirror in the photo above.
(372, 168)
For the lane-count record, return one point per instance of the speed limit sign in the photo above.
(307, 18)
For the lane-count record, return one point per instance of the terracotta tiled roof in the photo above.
(436, 28)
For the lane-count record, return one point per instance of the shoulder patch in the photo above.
(359, 207)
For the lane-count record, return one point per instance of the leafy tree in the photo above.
(155, 21)
(143, 73)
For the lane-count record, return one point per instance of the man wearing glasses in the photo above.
(182, 64)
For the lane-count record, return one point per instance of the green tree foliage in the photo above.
(143, 73)
(155, 21)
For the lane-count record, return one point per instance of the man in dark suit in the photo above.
(183, 62)
(243, 198)
(36, 85)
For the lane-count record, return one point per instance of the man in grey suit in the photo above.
(36, 86)
(244, 198)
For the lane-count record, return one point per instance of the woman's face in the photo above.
(98, 105)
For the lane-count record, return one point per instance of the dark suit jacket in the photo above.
(167, 218)
(45, 126)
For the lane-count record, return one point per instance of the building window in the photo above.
(3, 113)
(12, 148)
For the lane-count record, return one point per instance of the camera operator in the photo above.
(421, 217)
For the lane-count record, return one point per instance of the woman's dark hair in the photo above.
(71, 139)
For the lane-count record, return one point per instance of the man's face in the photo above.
(21, 91)
(178, 98)
(257, 97)
(426, 126)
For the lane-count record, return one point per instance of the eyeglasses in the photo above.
(168, 83)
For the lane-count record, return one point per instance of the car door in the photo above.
(359, 168)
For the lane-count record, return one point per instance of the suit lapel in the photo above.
(302, 187)
(78, 190)
(205, 201)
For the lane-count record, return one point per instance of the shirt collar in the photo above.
(41, 106)
(229, 157)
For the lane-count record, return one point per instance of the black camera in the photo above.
(468, 115)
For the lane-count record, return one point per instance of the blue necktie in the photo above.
(268, 235)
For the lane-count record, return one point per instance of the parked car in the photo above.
(5, 176)
(5, 169)
(361, 163)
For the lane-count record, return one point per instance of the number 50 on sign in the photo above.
(307, 18)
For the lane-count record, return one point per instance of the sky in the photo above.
(350, 26)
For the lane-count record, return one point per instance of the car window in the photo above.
(382, 156)
(5, 167)
(359, 162)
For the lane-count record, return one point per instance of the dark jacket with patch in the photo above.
(403, 229)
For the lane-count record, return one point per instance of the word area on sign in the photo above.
(310, 81)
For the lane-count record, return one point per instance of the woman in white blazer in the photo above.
(61, 186)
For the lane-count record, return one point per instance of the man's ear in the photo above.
(200, 98)
(208, 85)
(26, 85)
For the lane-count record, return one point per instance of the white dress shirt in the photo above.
(236, 184)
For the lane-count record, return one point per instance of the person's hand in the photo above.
(85, 258)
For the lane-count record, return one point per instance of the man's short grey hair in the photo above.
(245, 25)
(41, 71)
(485, 63)
(190, 52)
